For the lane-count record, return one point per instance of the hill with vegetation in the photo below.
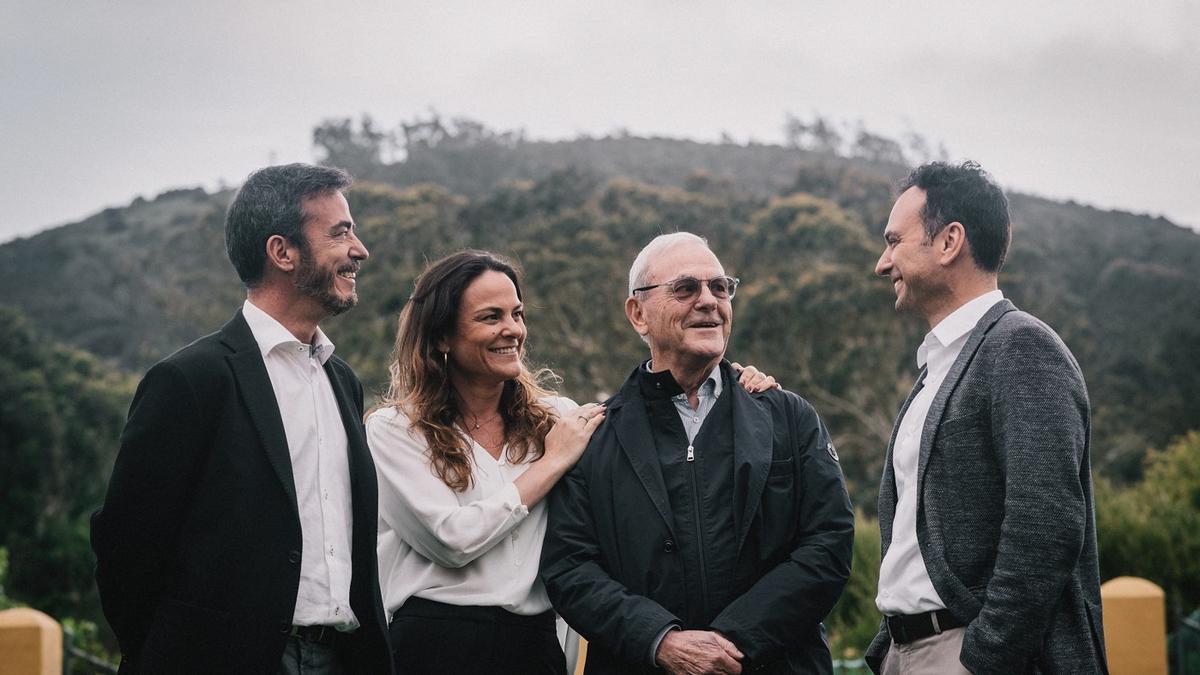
(800, 224)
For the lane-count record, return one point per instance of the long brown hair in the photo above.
(420, 379)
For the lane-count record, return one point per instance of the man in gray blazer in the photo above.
(985, 507)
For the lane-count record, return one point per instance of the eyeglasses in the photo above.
(684, 289)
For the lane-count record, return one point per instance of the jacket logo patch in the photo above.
(832, 452)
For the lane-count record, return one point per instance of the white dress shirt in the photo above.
(904, 585)
(480, 547)
(320, 467)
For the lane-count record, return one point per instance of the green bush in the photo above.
(854, 620)
(1150, 529)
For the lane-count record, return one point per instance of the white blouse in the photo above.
(477, 547)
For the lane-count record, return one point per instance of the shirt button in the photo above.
(695, 419)
(669, 545)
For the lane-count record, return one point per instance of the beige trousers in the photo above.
(934, 655)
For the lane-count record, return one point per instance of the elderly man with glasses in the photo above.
(706, 529)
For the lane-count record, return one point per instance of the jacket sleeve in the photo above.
(1039, 421)
(798, 592)
(601, 608)
(134, 532)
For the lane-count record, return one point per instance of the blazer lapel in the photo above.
(887, 485)
(637, 442)
(356, 442)
(938, 407)
(255, 386)
(753, 442)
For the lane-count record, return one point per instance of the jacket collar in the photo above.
(938, 407)
(254, 385)
(753, 449)
(753, 434)
(632, 427)
(886, 504)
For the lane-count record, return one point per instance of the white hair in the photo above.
(657, 246)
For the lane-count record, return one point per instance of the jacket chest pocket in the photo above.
(963, 424)
(779, 502)
(781, 468)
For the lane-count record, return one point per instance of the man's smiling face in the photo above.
(908, 259)
(683, 333)
(331, 254)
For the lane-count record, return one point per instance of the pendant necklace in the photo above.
(479, 424)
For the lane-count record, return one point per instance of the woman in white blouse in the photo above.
(466, 445)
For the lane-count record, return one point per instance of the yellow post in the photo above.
(1135, 626)
(579, 665)
(31, 643)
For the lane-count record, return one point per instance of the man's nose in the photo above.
(705, 298)
(883, 266)
(358, 250)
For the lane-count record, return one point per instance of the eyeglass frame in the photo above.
(732, 282)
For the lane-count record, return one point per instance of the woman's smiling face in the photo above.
(490, 331)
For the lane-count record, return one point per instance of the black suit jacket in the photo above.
(613, 571)
(198, 541)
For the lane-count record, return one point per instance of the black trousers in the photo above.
(433, 637)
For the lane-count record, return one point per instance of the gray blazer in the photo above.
(1005, 519)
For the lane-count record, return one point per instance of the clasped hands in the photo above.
(697, 652)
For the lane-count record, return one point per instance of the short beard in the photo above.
(318, 284)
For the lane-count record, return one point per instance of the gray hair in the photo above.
(657, 246)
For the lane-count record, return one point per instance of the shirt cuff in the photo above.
(512, 501)
(658, 641)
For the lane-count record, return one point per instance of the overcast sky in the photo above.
(102, 101)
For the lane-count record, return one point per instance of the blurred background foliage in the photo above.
(91, 305)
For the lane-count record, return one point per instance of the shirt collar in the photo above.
(957, 324)
(714, 377)
(270, 334)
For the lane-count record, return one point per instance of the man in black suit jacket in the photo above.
(985, 508)
(238, 531)
(705, 529)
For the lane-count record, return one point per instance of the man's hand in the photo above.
(696, 652)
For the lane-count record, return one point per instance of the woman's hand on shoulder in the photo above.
(754, 380)
(566, 441)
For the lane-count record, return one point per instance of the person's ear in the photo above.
(951, 243)
(635, 311)
(282, 253)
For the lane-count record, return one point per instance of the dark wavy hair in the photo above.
(420, 384)
(271, 202)
(967, 194)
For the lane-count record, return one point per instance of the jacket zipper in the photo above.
(691, 459)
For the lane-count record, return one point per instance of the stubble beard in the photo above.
(319, 284)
